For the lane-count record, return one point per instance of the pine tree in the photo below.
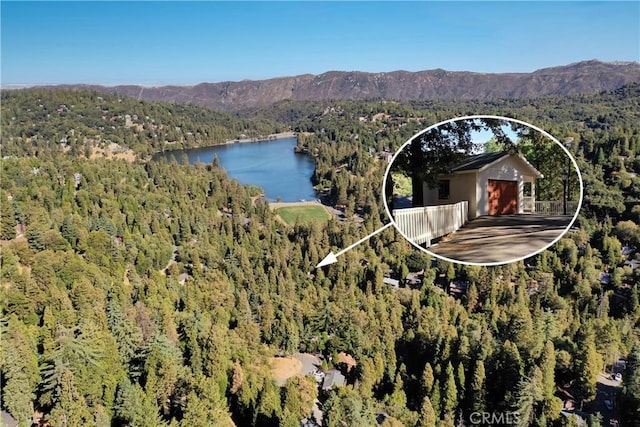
(435, 398)
(7, 221)
(631, 392)
(397, 401)
(392, 422)
(529, 393)
(588, 365)
(69, 231)
(236, 380)
(478, 387)
(451, 272)
(269, 404)
(48, 331)
(70, 408)
(427, 414)
(17, 398)
(19, 367)
(35, 237)
(552, 404)
(205, 406)
(133, 406)
(161, 366)
(449, 391)
(127, 336)
(344, 407)
(506, 372)
(460, 380)
(471, 297)
(427, 379)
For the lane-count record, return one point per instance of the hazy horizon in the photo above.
(187, 43)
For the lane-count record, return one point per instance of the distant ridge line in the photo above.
(591, 76)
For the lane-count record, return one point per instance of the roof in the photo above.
(347, 359)
(478, 162)
(627, 250)
(390, 281)
(7, 419)
(333, 378)
(633, 263)
(414, 278)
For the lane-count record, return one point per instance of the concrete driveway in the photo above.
(310, 362)
(499, 239)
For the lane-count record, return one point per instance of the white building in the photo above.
(492, 183)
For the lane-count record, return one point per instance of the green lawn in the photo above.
(303, 214)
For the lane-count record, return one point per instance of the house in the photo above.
(619, 365)
(182, 278)
(457, 288)
(8, 420)
(333, 378)
(395, 283)
(623, 292)
(414, 279)
(387, 157)
(492, 183)
(633, 263)
(347, 360)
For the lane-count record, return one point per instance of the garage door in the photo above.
(503, 197)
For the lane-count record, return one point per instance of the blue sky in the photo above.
(156, 43)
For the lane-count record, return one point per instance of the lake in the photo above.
(271, 165)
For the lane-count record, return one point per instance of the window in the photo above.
(443, 189)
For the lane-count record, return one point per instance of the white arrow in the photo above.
(331, 258)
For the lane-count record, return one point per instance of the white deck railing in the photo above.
(555, 207)
(423, 224)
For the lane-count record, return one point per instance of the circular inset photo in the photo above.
(483, 190)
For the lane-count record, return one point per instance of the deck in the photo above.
(500, 239)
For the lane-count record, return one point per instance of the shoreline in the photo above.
(270, 137)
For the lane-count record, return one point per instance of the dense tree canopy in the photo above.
(100, 327)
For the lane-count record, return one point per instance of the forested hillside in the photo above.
(144, 293)
(86, 123)
(580, 77)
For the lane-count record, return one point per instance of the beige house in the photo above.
(492, 183)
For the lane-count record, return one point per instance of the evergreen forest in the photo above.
(145, 293)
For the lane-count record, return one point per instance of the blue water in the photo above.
(271, 165)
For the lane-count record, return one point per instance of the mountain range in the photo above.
(580, 77)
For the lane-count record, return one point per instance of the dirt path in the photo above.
(172, 260)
